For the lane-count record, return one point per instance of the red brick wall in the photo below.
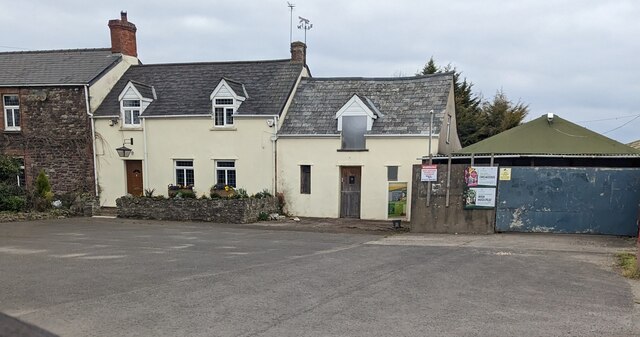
(55, 136)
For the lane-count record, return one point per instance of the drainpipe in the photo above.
(145, 165)
(274, 138)
(430, 156)
(93, 139)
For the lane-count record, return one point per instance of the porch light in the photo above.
(124, 151)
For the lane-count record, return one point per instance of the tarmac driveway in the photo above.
(103, 277)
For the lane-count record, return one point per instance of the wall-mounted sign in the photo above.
(480, 198)
(481, 176)
(505, 173)
(397, 200)
(429, 173)
(480, 187)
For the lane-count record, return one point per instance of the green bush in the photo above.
(13, 203)
(9, 169)
(43, 187)
(263, 216)
(263, 194)
(186, 195)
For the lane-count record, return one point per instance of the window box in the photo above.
(173, 190)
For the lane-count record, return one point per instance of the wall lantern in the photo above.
(124, 151)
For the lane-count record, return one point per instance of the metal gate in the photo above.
(569, 200)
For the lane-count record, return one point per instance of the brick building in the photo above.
(48, 98)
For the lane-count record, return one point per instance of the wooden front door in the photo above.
(350, 181)
(134, 177)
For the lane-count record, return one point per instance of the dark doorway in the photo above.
(350, 177)
(134, 177)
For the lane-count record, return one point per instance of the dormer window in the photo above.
(223, 109)
(226, 98)
(134, 99)
(131, 111)
(355, 118)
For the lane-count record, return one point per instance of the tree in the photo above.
(467, 103)
(429, 68)
(501, 114)
(477, 120)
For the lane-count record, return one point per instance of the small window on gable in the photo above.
(392, 173)
(448, 128)
(131, 111)
(11, 112)
(353, 130)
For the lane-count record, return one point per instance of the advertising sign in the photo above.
(480, 187)
(397, 200)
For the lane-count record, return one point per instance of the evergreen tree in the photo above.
(501, 114)
(477, 120)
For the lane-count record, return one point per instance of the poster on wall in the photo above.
(429, 173)
(481, 176)
(397, 207)
(480, 187)
(480, 198)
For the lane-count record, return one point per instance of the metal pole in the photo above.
(491, 159)
(448, 180)
(430, 156)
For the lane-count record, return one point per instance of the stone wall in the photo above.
(55, 136)
(214, 210)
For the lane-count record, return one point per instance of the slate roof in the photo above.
(185, 88)
(237, 87)
(538, 136)
(404, 103)
(144, 89)
(51, 67)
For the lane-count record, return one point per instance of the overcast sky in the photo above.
(578, 58)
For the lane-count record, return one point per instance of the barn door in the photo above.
(134, 177)
(350, 179)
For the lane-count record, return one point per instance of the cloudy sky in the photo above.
(575, 58)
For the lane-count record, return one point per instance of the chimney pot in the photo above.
(123, 16)
(298, 52)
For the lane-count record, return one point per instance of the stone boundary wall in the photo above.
(214, 210)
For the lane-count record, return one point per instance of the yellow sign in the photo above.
(505, 174)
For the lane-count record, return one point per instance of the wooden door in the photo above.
(350, 182)
(134, 177)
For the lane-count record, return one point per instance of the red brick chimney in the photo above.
(298, 52)
(123, 36)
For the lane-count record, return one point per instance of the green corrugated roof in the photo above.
(635, 145)
(541, 137)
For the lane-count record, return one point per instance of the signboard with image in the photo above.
(397, 207)
(480, 187)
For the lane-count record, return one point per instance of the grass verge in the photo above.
(628, 264)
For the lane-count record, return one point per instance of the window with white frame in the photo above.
(226, 172)
(131, 111)
(184, 172)
(448, 128)
(11, 112)
(223, 109)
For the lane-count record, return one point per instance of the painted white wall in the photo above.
(100, 88)
(168, 139)
(325, 161)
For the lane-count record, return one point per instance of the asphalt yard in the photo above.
(113, 277)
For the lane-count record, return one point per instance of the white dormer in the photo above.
(355, 118)
(134, 99)
(358, 106)
(226, 98)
